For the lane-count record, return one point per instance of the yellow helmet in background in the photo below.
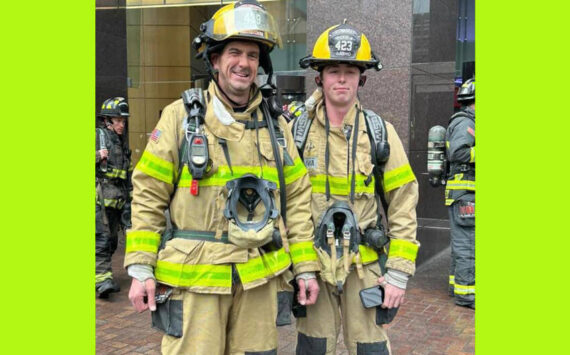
(245, 19)
(341, 44)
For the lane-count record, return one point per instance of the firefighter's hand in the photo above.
(103, 153)
(141, 290)
(308, 291)
(393, 295)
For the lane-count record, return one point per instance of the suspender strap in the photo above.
(354, 142)
(224, 145)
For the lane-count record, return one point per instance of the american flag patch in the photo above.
(471, 131)
(155, 136)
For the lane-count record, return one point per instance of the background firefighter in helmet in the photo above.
(460, 196)
(211, 281)
(113, 161)
(338, 155)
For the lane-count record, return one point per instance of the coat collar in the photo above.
(234, 131)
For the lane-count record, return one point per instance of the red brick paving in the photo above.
(428, 324)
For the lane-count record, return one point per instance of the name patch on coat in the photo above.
(311, 162)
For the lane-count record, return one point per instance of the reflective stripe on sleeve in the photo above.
(398, 177)
(302, 251)
(403, 249)
(142, 241)
(156, 167)
(472, 160)
(452, 280)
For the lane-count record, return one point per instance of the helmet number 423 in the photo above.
(343, 45)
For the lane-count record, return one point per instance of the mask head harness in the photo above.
(248, 191)
(338, 235)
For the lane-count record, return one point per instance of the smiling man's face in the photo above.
(237, 69)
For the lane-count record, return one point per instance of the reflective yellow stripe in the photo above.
(116, 173)
(156, 167)
(464, 289)
(302, 251)
(142, 241)
(266, 265)
(403, 249)
(295, 172)
(187, 275)
(367, 254)
(341, 185)
(449, 201)
(451, 280)
(103, 277)
(472, 160)
(224, 174)
(398, 177)
(460, 185)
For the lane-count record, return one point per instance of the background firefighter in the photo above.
(112, 208)
(460, 196)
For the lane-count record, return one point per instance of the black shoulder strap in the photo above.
(300, 129)
(380, 150)
(277, 140)
(189, 97)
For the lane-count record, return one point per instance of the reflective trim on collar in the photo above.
(156, 167)
(142, 241)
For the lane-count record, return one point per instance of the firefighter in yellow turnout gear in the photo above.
(337, 154)
(214, 296)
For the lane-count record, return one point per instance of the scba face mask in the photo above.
(337, 238)
(251, 223)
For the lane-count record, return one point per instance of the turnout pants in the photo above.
(462, 270)
(242, 323)
(106, 240)
(318, 331)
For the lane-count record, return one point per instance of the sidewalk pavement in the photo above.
(429, 323)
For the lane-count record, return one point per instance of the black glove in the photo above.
(126, 215)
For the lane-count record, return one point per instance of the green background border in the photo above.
(48, 91)
(522, 182)
(523, 130)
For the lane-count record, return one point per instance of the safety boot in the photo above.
(104, 288)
